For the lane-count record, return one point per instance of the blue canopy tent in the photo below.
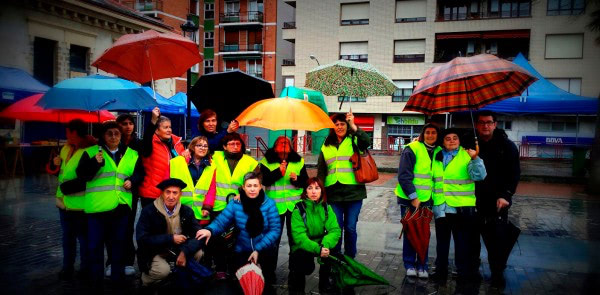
(16, 84)
(543, 97)
(173, 107)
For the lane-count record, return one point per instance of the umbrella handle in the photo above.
(476, 146)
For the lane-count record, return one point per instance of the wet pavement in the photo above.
(557, 252)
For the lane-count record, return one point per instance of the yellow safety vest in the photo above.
(228, 183)
(179, 169)
(67, 172)
(105, 191)
(283, 192)
(423, 180)
(339, 167)
(453, 184)
(200, 193)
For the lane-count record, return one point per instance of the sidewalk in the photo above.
(557, 251)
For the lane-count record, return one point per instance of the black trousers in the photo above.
(265, 260)
(302, 263)
(217, 250)
(464, 230)
(129, 251)
(497, 263)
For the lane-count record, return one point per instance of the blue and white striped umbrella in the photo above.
(97, 92)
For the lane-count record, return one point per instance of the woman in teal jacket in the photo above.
(315, 231)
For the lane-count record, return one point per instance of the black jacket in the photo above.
(152, 237)
(501, 159)
(88, 166)
(270, 177)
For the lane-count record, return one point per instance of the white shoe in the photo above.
(107, 271)
(129, 270)
(411, 272)
(422, 274)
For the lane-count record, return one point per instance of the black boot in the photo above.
(325, 284)
(296, 283)
(498, 281)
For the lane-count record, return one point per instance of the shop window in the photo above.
(548, 126)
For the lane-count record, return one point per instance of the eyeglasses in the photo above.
(237, 143)
(202, 146)
(486, 123)
(113, 134)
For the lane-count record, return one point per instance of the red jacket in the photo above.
(157, 166)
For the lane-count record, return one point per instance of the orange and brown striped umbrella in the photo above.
(467, 83)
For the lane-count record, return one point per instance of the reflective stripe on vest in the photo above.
(178, 168)
(339, 167)
(423, 175)
(453, 185)
(68, 172)
(105, 191)
(200, 193)
(283, 192)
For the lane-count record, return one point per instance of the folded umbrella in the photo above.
(499, 237)
(415, 227)
(251, 279)
(193, 275)
(347, 272)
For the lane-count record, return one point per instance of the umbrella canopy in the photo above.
(285, 113)
(28, 110)
(16, 84)
(467, 83)
(229, 93)
(251, 279)
(348, 272)
(415, 226)
(97, 92)
(499, 237)
(349, 78)
(149, 56)
(174, 105)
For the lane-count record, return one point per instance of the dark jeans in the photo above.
(302, 263)
(146, 201)
(497, 263)
(265, 260)
(464, 230)
(286, 219)
(347, 217)
(409, 254)
(217, 250)
(74, 227)
(111, 227)
(129, 254)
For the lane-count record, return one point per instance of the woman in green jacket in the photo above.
(315, 231)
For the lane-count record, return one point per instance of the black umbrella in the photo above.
(229, 93)
(499, 236)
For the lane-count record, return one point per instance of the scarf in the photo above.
(173, 221)
(255, 223)
(170, 146)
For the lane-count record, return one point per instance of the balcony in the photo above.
(249, 18)
(240, 49)
(288, 62)
(476, 10)
(289, 32)
(289, 25)
(504, 44)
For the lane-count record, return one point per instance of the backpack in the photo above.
(301, 207)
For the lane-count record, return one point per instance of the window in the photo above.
(409, 51)
(209, 11)
(564, 46)
(355, 51)
(565, 7)
(547, 126)
(195, 68)
(572, 85)
(209, 39)
(515, 8)
(78, 59)
(454, 11)
(254, 67)
(506, 125)
(411, 11)
(208, 66)
(354, 99)
(232, 8)
(231, 65)
(354, 14)
(44, 57)
(404, 91)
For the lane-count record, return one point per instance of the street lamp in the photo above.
(189, 27)
(315, 59)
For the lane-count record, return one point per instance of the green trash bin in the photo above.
(579, 153)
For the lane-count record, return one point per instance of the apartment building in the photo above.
(405, 38)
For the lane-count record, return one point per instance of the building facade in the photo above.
(405, 38)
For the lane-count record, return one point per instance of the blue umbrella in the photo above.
(97, 92)
(174, 105)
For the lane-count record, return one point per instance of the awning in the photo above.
(364, 122)
(458, 36)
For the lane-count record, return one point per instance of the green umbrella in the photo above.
(349, 78)
(347, 272)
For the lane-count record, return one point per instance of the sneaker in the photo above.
(422, 274)
(221, 275)
(107, 271)
(129, 270)
(411, 272)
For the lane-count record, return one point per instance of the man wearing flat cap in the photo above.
(165, 233)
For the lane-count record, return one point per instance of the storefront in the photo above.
(402, 129)
(365, 122)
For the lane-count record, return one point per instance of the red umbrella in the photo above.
(415, 227)
(149, 56)
(251, 279)
(27, 110)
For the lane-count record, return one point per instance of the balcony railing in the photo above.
(257, 74)
(289, 25)
(241, 17)
(240, 47)
(482, 15)
(289, 62)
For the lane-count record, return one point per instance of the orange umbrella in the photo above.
(285, 113)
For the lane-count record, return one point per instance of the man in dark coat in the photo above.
(494, 194)
(165, 233)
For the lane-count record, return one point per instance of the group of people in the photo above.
(210, 203)
(466, 190)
